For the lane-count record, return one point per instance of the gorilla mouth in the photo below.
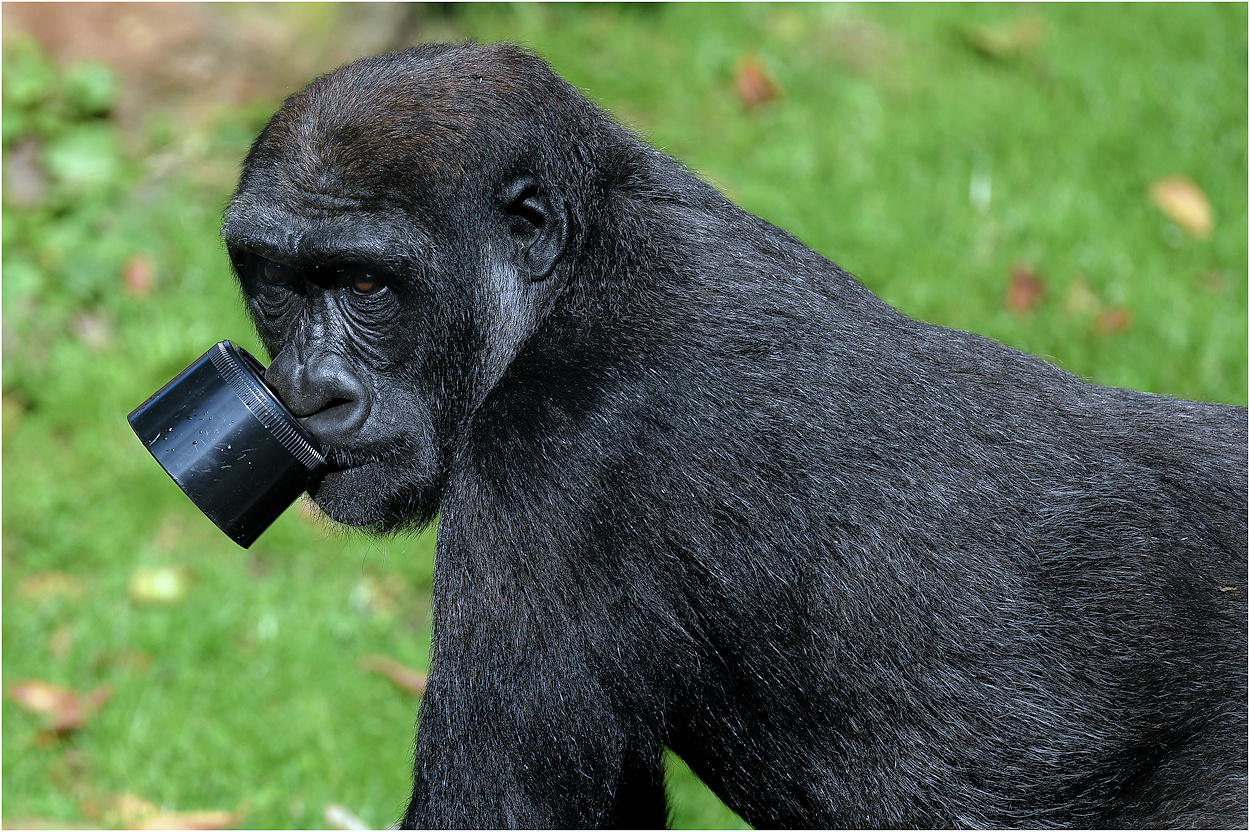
(340, 458)
(377, 489)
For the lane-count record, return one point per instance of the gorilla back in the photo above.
(696, 487)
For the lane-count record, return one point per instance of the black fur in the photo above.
(698, 488)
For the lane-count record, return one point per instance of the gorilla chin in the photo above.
(379, 497)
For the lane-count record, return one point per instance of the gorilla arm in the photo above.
(516, 730)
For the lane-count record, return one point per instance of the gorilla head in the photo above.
(400, 229)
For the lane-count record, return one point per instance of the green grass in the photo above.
(245, 693)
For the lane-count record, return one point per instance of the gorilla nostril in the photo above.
(338, 418)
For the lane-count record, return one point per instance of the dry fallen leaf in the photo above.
(381, 596)
(51, 583)
(70, 772)
(61, 641)
(39, 696)
(1025, 290)
(24, 180)
(1213, 281)
(65, 709)
(139, 276)
(408, 679)
(209, 819)
(755, 85)
(159, 585)
(1079, 299)
(1115, 320)
(338, 816)
(130, 811)
(94, 330)
(126, 660)
(1185, 204)
(36, 822)
(15, 408)
(1008, 40)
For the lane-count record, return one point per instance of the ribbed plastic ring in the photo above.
(259, 400)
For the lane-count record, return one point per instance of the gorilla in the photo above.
(697, 488)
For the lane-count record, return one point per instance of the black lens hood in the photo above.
(228, 442)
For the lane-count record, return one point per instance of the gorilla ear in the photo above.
(538, 223)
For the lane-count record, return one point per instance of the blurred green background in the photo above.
(1068, 179)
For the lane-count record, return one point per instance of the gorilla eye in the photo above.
(276, 274)
(364, 283)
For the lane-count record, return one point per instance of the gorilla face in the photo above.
(346, 365)
(390, 282)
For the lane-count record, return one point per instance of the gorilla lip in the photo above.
(345, 459)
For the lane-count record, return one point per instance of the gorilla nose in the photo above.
(327, 396)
